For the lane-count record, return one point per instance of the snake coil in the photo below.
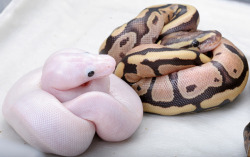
(174, 67)
(246, 135)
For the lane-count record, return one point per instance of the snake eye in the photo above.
(91, 73)
(195, 43)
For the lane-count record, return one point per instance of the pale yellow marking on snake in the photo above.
(173, 110)
(131, 77)
(120, 69)
(205, 37)
(181, 54)
(174, 45)
(204, 58)
(103, 45)
(169, 68)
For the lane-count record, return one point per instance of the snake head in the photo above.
(202, 41)
(71, 68)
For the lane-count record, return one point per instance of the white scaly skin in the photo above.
(58, 108)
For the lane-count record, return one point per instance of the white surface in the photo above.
(31, 30)
(12, 148)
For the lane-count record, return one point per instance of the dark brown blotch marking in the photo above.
(235, 71)
(169, 17)
(122, 55)
(216, 80)
(172, 8)
(155, 20)
(124, 42)
(217, 54)
(154, 39)
(191, 88)
(138, 88)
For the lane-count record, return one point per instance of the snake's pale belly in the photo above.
(174, 67)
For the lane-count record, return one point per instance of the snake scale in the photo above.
(174, 67)
(246, 135)
(59, 107)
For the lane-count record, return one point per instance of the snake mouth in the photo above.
(85, 84)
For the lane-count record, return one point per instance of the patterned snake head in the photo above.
(202, 41)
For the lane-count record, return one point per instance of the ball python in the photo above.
(58, 108)
(174, 67)
(246, 135)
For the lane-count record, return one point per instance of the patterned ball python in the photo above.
(172, 66)
(246, 135)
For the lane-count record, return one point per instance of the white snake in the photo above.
(59, 108)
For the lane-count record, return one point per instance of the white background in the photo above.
(32, 30)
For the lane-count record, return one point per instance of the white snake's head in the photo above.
(201, 41)
(72, 67)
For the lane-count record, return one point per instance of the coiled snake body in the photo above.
(246, 135)
(58, 108)
(174, 67)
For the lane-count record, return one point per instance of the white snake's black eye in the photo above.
(91, 73)
(195, 43)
